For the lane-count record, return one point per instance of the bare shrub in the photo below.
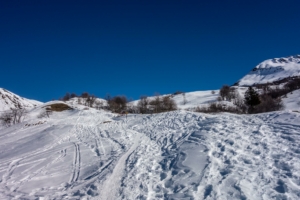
(293, 84)
(168, 104)
(268, 104)
(6, 119)
(13, 116)
(18, 115)
(90, 100)
(98, 105)
(218, 107)
(224, 92)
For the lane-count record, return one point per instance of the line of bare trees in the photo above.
(13, 116)
(156, 105)
(85, 98)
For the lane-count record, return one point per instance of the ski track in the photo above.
(174, 155)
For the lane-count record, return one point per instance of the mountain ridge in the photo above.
(10, 100)
(272, 70)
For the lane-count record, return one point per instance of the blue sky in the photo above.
(134, 48)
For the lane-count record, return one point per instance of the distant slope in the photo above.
(272, 70)
(9, 100)
(191, 99)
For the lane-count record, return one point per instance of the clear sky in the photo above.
(133, 48)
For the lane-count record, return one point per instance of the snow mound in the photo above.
(9, 100)
(272, 70)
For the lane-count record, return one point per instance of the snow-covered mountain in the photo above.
(272, 70)
(85, 153)
(9, 100)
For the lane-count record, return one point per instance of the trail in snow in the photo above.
(112, 184)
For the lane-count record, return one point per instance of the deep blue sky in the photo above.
(133, 48)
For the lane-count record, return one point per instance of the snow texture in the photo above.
(91, 154)
(9, 100)
(272, 70)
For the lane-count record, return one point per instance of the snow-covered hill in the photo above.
(189, 100)
(272, 70)
(9, 100)
(91, 154)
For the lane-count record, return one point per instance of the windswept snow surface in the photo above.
(89, 154)
(272, 70)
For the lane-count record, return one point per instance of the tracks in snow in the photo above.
(112, 184)
(76, 164)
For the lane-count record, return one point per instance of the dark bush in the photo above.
(117, 104)
(217, 108)
(268, 104)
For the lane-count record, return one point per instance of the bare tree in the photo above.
(184, 99)
(224, 92)
(168, 104)
(13, 116)
(67, 97)
(18, 115)
(90, 100)
(117, 103)
(98, 104)
(143, 104)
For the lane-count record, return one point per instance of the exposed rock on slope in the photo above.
(9, 100)
(272, 70)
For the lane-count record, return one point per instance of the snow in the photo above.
(94, 154)
(292, 101)
(272, 70)
(189, 100)
(9, 100)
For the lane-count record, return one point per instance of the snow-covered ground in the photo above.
(90, 154)
(292, 101)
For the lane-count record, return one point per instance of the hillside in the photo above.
(190, 99)
(78, 152)
(272, 70)
(9, 100)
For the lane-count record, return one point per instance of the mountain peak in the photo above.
(272, 70)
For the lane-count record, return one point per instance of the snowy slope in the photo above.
(192, 99)
(79, 101)
(292, 101)
(272, 70)
(90, 154)
(9, 100)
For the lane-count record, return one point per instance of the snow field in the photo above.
(90, 154)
